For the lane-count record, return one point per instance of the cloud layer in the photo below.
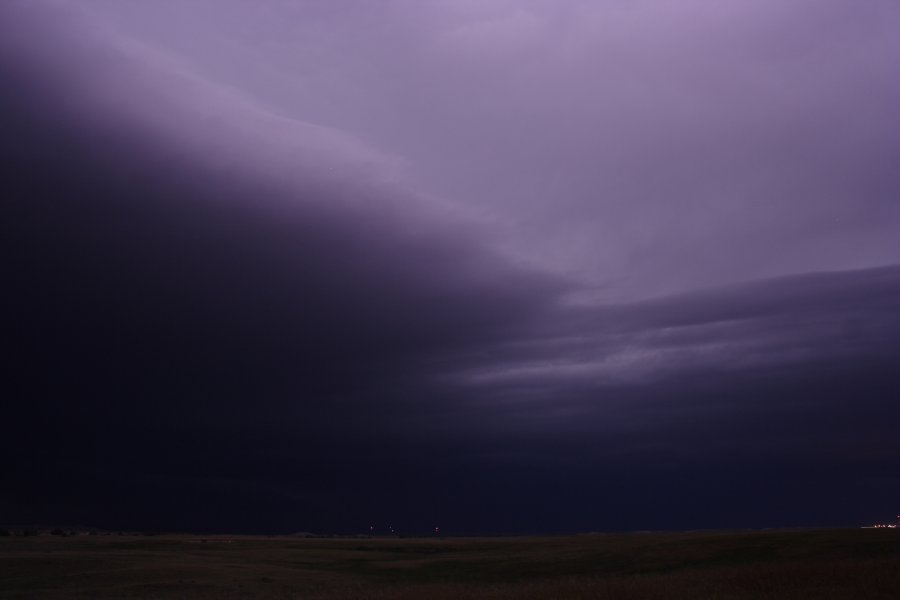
(314, 265)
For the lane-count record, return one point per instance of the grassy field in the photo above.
(809, 564)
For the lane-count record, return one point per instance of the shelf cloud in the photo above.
(315, 263)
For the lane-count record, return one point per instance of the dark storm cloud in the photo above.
(229, 311)
(175, 322)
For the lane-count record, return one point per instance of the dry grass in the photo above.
(820, 565)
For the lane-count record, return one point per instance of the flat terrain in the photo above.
(808, 564)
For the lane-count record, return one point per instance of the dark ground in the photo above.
(813, 564)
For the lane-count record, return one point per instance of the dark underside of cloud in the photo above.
(182, 357)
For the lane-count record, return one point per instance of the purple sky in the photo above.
(351, 259)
